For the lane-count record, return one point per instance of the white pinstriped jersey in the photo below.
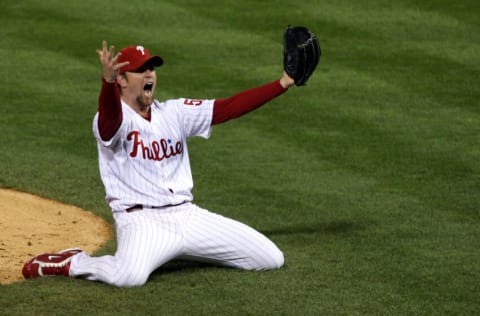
(146, 162)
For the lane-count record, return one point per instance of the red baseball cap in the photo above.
(138, 56)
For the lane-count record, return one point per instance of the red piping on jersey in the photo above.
(110, 106)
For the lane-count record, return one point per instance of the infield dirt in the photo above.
(30, 225)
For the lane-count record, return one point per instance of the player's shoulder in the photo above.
(171, 107)
(183, 102)
(166, 104)
(182, 105)
(171, 104)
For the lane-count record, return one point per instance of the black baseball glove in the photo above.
(301, 53)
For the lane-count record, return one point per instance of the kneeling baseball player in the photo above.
(145, 168)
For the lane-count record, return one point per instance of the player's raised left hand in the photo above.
(286, 81)
(301, 53)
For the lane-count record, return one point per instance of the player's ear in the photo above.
(122, 80)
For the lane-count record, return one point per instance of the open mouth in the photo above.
(148, 86)
(148, 90)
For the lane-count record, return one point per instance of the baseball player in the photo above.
(145, 169)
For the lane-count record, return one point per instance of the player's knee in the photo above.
(274, 260)
(277, 260)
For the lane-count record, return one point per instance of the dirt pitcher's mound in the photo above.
(30, 225)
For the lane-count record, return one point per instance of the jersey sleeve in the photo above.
(197, 116)
(120, 130)
(109, 110)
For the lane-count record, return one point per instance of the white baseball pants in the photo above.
(148, 238)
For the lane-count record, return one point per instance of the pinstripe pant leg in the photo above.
(146, 240)
(217, 239)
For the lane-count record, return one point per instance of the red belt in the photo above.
(139, 207)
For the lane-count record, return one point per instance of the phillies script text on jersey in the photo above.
(158, 150)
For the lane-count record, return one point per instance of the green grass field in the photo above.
(368, 178)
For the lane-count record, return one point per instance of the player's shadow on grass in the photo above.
(182, 266)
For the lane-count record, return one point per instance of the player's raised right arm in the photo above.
(109, 62)
(109, 104)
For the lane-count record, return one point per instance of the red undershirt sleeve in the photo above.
(244, 102)
(109, 110)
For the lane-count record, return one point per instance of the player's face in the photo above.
(140, 85)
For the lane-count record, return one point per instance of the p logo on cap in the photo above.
(138, 56)
(141, 48)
